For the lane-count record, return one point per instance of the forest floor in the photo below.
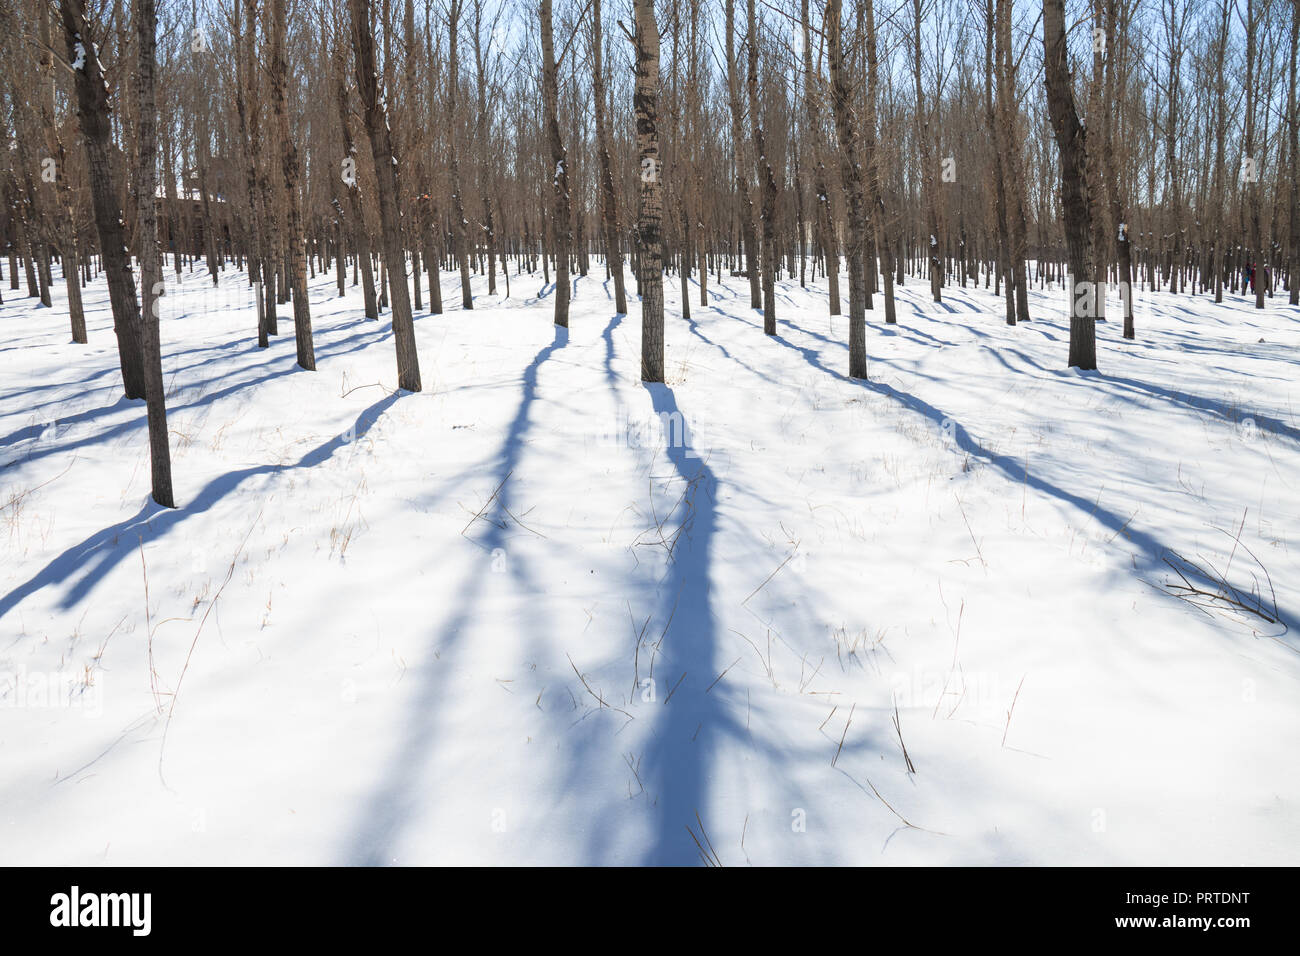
(516, 619)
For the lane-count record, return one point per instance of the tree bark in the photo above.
(738, 161)
(1071, 142)
(927, 158)
(146, 24)
(351, 178)
(96, 132)
(483, 133)
(1252, 183)
(67, 225)
(1218, 258)
(1293, 109)
(825, 220)
(875, 188)
(381, 149)
(766, 178)
(851, 175)
(560, 172)
(608, 198)
(295, 253)
(650, 206)
(1114, 91)
(997, 124)
(460, 229)
(245, 73)
(1011, 164)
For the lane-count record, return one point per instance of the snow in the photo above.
(386, 599)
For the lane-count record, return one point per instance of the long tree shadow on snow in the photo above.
(354, 342)
(98, 554)
(399, 796)
(699, 720)
(1153, 552)
(1221, 409)
(686, 738)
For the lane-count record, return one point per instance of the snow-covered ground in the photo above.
(542, 613)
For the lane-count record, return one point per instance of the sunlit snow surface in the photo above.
(384, 656)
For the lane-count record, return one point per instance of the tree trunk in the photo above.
(650, 206)
(997, 123)
(927, 158)
(825, 220)
(851, 175)
(1013, 172)
(766, 178)
(1070, 140)
(245, 75)
(460, 228)
(96, 131)
(146, 24)
(1252, 182)
(432, 229)
(608, 199)
(350, 173)
(381, 149)
(1114, 89)
(738, 161)
(67, 220)
(295, 253)
(1293, 110)
(1218, 258)
(560, 173)
(875, 189)
(483, 134)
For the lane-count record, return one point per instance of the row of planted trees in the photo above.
(1150, 145)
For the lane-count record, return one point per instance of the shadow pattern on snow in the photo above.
(354, 342)
(399, 795)
(685, 739)
(98, 554)
(1153, 552)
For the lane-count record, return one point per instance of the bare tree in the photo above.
(926, 147)
(67, 226)
(766, 176)
(996, 122)
(875, 190)
(560, 171)
(608, 198)
(460, 228)
(1293, 110)
(96, 132)
(650, 208)
(246, 107)
(854, 191)
(1071, 142)
(295, 258)
(483, 135)
(432, 236)
(350, 176)
(1115, 89)
(1173, 34)
(381, 149)
(146, 26)
(1218, 258)
(825, 219)
(739, 163)
(1010, 163)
